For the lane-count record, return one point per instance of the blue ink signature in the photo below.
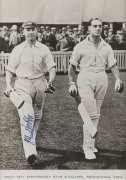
(29, 120)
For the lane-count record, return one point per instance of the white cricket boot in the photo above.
(89, 154)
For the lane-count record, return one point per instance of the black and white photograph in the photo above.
(63, 89)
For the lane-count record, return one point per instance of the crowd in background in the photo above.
(59, 39)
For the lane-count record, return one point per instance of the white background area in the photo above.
(62, 11)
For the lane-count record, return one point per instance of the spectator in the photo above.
(61, 43)
(81, 28)
(75, 30)
(39, 38)
(124, 34)
(110, 34)
(121, 45)
(70, 32)
(68, 29)
(15, 38)
(2, 41)
(50, 39)
(21, 35)
(78, 38)
(69, 45)
(48, 45)
(53, 31)
(105, 32)
(46, 35)
(6, 38)
(42, 30)
(114, 43)
(124, 39)
(120, 34)
(81, 31)
(62, 35)
(58, 34)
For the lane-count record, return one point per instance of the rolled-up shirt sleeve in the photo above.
(49, 60)
(13, 62)
(111, 61)
(75, 57)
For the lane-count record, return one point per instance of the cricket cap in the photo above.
(29, 24)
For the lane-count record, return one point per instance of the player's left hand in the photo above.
(49, 88)
(119, 86)
(8, 90)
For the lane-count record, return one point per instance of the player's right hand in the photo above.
(73, 90)
(49, 88)
(119, 86)
(8, 90)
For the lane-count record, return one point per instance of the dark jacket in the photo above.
(2, 44)
(51, 40)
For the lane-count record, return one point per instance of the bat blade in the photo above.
(87, 120)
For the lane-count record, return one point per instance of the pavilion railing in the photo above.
(62, 60)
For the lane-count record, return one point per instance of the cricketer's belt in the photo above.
(95, 70)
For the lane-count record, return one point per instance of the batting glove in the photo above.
(73, 89)
(49, 88)
(119, 86)
(9, 89)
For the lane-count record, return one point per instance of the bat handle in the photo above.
(77, 98)
(5, 94)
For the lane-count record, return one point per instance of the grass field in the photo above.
(59, 139)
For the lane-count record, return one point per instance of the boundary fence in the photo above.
(62, 60)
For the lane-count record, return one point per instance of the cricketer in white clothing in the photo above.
(92, 55)
(29, 61)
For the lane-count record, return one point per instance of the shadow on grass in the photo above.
(106, 159)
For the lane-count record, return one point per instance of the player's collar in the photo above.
(102, 42)
(37, 44)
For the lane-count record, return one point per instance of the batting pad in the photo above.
(27, 122)
(91, 107)
(16, 99)
(38, 108)
(95, 122)
(87, 120)
(87, 140)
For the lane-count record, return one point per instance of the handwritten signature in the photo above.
(29, 127)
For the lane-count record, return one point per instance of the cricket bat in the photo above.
(15, 98)
(85, 117)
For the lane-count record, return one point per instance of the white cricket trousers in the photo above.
(92, 88)
(32, 92)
